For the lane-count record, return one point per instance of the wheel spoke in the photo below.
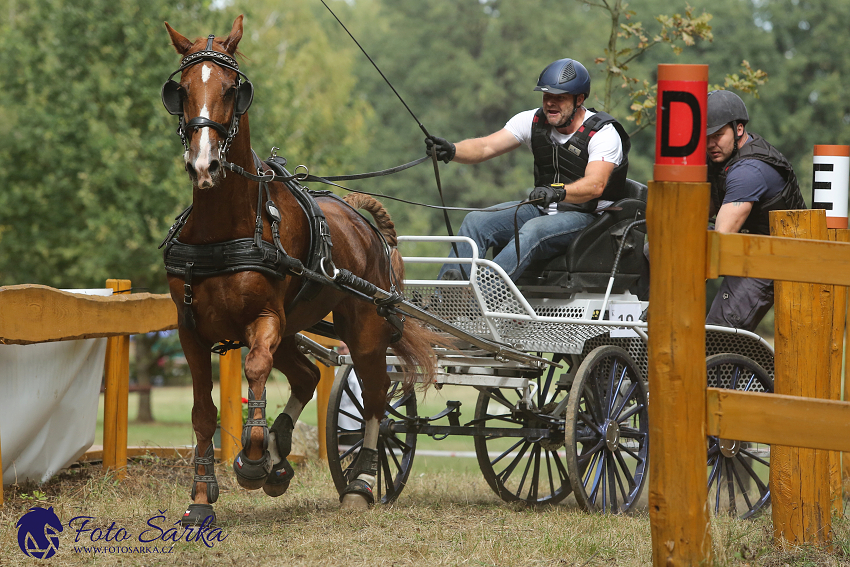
(624, 467)
(730, 486)
(755, 457)
(508, 471)
(593, 451)
(612, 480)
(549, 472)
(353, 398)
(616, 390)
(637, 408)
(735, 375)
(507, 452)
(632, 454)
(631, 433)
(751, 472)
(590, 423)
(354, 417)
(616, 414)
(355, 447)
(741, 487)
(718, 479)
(405, 448)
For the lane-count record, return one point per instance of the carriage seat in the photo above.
(587, 264)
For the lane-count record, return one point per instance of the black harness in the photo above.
(191, 261)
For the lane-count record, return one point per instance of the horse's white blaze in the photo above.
(204, 157)
(205, 73)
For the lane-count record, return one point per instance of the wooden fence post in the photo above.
(799, 477)
(676, 222)
(230, 386)
(117, 377)
(846, 456)
(839, 314)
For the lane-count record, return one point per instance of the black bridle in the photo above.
(172, 98)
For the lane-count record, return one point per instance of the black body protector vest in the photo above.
(566, 163)
(758, 221)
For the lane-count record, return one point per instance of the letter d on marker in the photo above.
(680, 124)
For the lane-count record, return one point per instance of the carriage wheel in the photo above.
(738, 472)
(527, 468)
(607, 435)
(345, 429)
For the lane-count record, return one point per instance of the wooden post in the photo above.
(117, 377)
(839, 313)
(799, 477)
(230, 384)
(323, 396)
(846, 456)
(676, 222)
(1, 479)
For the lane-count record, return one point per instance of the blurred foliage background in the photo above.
(90, 167)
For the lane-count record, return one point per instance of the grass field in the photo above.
(447, 515)
(443, 518)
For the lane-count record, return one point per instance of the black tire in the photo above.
(344, 444)
(607, 422)
(738, 472)
(528, 468)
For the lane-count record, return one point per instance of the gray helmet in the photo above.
(724, 107)
(564, 76)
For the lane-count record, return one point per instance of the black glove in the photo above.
(547, 195)
(445, 149)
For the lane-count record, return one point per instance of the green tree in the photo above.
(92, 174)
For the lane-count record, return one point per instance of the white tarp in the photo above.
(49, 397)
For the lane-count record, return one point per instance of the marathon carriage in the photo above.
(576, 422)
(559, 362)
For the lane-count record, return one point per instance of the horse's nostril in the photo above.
(190, 169)
(214, 167)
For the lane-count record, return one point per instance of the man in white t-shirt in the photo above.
(578, 153)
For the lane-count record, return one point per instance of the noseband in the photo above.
(173, 100)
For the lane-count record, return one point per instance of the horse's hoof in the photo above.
(354, 502)
(198, 514)
(279, 478)
(357, 495)
(252, 474)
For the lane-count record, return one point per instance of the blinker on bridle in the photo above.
(173, 102)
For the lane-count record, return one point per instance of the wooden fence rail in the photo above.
(677, 373)
(31, 314)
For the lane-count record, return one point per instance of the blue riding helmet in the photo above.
(564, 76)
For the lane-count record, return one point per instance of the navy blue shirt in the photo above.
(752, 180)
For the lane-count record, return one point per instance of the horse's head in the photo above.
(209, 98)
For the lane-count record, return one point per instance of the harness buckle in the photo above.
(187, 294)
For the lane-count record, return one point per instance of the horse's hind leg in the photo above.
(303, 376)
(253, 463)
(204, 484)
(371, 366)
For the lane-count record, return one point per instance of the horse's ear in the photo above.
(232, 41)
(181, 44)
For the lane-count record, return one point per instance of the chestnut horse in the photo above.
(255, 308)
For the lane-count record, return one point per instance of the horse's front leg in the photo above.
(303, 377)
(204, 485)
(253, 463)
(372, 368)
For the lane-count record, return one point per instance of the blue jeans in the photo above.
(540, 236)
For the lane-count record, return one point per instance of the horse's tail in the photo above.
(415, 348)
(378, 212)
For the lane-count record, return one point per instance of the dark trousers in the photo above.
(741, 303)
